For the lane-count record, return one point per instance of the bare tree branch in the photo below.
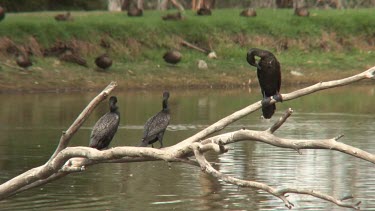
(221, 124)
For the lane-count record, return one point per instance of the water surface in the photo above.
(31, 124)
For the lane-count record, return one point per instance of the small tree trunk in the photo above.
(115, 5)
(140, 4)
(162, 4)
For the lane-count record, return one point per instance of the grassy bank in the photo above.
(328, 44)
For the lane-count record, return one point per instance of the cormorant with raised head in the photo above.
(106, 127)
(269, 77)
(155, 126)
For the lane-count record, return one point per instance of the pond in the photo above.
(31, 125)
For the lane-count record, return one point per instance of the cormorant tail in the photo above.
(268, 111)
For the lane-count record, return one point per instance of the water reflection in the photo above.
(31, 124)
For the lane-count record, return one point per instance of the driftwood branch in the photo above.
(66, 160)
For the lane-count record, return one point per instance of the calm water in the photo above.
(31, 124)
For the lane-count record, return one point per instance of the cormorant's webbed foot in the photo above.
(266, 101)
(278, 97)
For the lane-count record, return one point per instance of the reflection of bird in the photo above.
(155, 126)
(269, 77)
(69, 56)
(301, 11)
(134, 11)
(172, 57)
(106, 127)
(249, 12)
(2, 13)
(175, 16)
(103, 61)
(63, 17)
(23, 60)
(204, 11)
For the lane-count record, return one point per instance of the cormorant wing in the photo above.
(105, 128)
(156, 124)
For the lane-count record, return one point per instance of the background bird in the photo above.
(73, 57)
(249, 12)
(269, 77)
(63, 17)
(134, 11)
(174, 16)
(301, 11)
(156, 125)
(106, 127)
(23, 60)
(103, 61)
(172, 57)
(204, 11)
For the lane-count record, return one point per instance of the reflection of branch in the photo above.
(280, 193)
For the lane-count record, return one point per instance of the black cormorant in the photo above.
(2, 13)
(269, 77)
(155, 126)
(23, 60)
(106, 127)
(172, 57)
(103, 61)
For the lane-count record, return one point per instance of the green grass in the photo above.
(327, 43)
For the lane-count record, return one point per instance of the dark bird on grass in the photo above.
(301, 11)
(105, 128)
(175, 16)
(134, 12)
(23, 60)
(269, 77)
(63, 17)
(249, 12)
(103, 61)
(172, 57)
(2, 13)
(204, 11)
(155, 126)
(72, 57)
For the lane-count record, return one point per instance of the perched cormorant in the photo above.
(23, 60)
(2, 13)
(155, 126)
(72, 57)
(63, 17)
(204, 11)
(175, 16)
(103, 61)
(106, 127)
(301, 11)
(172, 57)
(134, 12)
(269, 77)
(249, 12)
